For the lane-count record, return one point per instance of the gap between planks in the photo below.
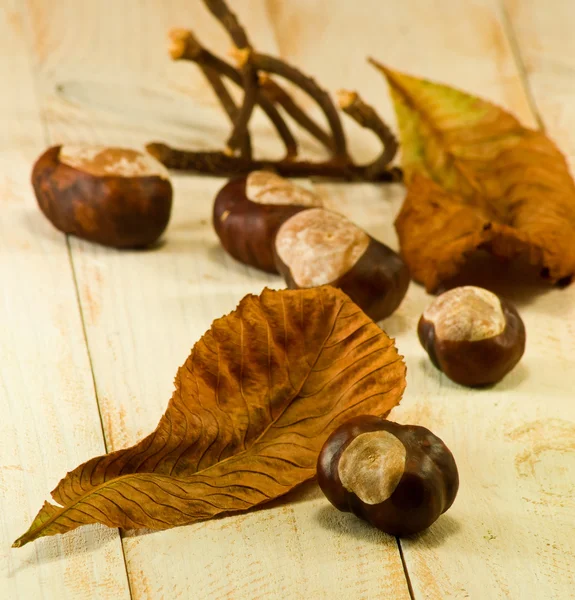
(90, 362)
(47, 139)
(405, 571)
(399, 547)
(519, 62)
(522, 75)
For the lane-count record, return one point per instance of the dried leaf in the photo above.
(438, 230)
(253, 405)
(510, 190)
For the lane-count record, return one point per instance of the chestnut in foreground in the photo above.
(248, 212)
(472, 335)
(319, 247)
(112, 196)
(399, 478)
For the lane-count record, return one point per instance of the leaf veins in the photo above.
(253, 405)
(478, 179)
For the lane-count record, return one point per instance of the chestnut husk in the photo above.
(121, 212)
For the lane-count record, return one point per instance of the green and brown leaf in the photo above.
(253, 405)
(478, 179)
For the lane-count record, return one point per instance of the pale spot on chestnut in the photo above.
(268, 188)
(319, 246)
(466, 314)
(399, 478)
(372, 466)
(103, 161)
(249, 210)
(112, 196)
(472, 335)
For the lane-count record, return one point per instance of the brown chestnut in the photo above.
(112, 196)
(320, 247)
(399, 478)
(248, 211)
(472, 335)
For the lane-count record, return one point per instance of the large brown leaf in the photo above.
(508, 187)
(253, 405)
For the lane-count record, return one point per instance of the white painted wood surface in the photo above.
(101, 74)
(144, 310)
(48, 413)
(511, 531)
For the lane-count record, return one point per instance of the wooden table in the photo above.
(91, 337)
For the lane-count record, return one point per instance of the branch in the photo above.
(228, 19)
(279, 96)
(184, 46)
(308, 85)
(221, 164)
(265, 91)
(228, 105)
(365, 115)
(230, 22)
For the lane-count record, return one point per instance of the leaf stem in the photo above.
(279, 96)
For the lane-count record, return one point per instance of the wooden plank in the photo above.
(49, 419)
(511, 532)
(547, 52)
(144, 310)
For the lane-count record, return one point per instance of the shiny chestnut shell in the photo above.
(247, 229)
(427, 488)
(477, 362)
(377, 281)
(118, 211)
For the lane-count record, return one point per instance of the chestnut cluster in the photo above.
(123, 198)
(266, 221)
(399, 478)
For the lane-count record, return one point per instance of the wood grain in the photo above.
(49, 416)
(547, 52)
(144, 311)
(511, 531)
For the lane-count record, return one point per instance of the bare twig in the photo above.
(259, 88)
(184, 46)
(308, 85)
(365, 115)
(228, 105)
(230, 22)
(219, 163)
(278, 95)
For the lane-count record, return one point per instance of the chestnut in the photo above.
(248, 211)
(472, 335)
(112, 196)
(399, 478)
(319, 247)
